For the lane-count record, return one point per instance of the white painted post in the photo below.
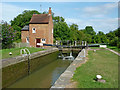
(56, 42)
(75, 43)
(82, 43)
(85, 43)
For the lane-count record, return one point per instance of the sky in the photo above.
(103, 16)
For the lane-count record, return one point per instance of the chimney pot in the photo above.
(50, 11)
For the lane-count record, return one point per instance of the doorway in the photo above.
(37, 42)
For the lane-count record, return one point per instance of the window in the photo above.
(52, 30)
(33, 30)
(43, 40)
(27, 39)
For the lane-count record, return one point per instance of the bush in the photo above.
(8, 36)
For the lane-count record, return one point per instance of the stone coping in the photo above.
(113, 51)
(18, 59)
(64, 80)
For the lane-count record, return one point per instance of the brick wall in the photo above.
(24, 34)
(41, 32)
(50, 31)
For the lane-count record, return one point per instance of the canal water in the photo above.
(45, 76)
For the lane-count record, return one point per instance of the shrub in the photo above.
(8, 36)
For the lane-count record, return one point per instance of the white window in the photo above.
(27, 39)
(43, 40)
(52, 30)
(33, 30)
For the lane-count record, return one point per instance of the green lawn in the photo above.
(97, 48)
(100, 62)
(16, 51)
(114, 48)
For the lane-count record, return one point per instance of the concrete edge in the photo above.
(65, 77)
(113, 51)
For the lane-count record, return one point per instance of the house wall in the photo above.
(41, 32)
(50, 30)
(24, 34)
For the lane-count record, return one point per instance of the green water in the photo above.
(45, 76)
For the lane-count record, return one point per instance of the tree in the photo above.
(58, 19)
(110, 35)
(88, 38)
(74, 27)
(18, 33)
(89, 30)
(74, 32)
(80, 35)
(100, 33)
(61, 31)
(113, 36)
(101, 37)
(114, 41)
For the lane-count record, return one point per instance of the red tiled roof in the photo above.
(39, 19)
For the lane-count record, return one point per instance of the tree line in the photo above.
(62, 31)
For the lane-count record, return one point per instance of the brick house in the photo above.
(39, 31)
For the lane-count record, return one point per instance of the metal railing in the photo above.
(26, 52)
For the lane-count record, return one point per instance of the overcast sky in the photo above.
(103, 16)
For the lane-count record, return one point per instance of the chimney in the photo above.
(50, 12)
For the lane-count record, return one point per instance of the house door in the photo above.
(37, 42)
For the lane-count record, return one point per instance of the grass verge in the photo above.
(100, 62)
(16, 51)
(97, 48)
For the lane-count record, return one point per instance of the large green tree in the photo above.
(58, 19)
(89, 30)
(101, 37)
(61, 31)
(113, 37)
(73, 32)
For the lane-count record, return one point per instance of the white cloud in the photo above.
(100, 11)
(104, 25)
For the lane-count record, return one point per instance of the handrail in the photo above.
(28, 54)
(27, 50)
(24, 51)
